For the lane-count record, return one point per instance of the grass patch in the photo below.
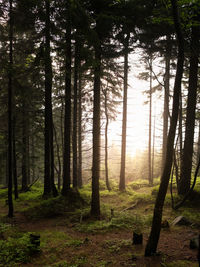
(114, 246)
(120, 221)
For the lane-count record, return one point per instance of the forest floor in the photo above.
(69, 237)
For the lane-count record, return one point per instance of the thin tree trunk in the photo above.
(15, 180)
(122, 185)
(95, 203)
(24, 143)
(80, 181)
(33, 157)
(53, 187)
(150, 118)
(58, 157)
(186, 163)
(48, 106)
(152, 242)
(106, 142)
(10, 97)
(74, 143)
(166, 100)
(153, 146)
(67, 117)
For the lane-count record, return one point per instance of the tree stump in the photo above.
(137, 238)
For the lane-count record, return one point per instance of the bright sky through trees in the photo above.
(138, 113)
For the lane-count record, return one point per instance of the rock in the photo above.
(194, 243)
(137, 238)
(180, 220)
(165, 224)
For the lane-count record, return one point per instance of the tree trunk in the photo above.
(67, 117)
(15, 180)
(150, 118)
(122, 186)
(10, 97)
(153, 147)
(166, 100)
(24, 143)
(106, 142)
(49, 186)
(152, 242)
(33, 157)
(95, 203)
(53, 187)
(186, 163)
(80, 181)
(74, 144)
(58, 156)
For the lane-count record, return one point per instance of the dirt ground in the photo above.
(110, 248)
(107, 249)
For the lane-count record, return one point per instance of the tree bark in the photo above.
(166, 100)
(106, 142)
(80, 180)
(49, 186)
(150, 123)
(24, 143)
(67, 116)
(152, 242)
(186, 163)
(95, 203)
(10, 97)
(15, 180)
(122, 185)
(74, 143)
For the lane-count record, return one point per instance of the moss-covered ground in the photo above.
(70, 237)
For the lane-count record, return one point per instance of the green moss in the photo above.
(16, 250)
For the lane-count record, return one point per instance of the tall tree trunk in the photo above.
(10, 97)
(33, 156)
(122, 186)
(152, 242)
(74, 144)
(153, 146)
(80, 181)
(166, 100)
(49, 186)
(106, 142)
(186, 163)
(24, 143)
(15, 180)
(67, 117)
(150, 119)
(58, 156)
(53, 187)
(95, 203)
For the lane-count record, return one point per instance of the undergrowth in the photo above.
(16, 250)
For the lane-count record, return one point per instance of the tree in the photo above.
(106, 140)
(76, 70)
(124, 119)
(10, 111)
(49, 186)
(186, 160)
(166, 99)
(67, 116)
(157, 216)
